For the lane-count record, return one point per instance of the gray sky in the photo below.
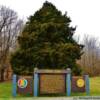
(85, 14)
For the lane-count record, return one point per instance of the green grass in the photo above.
(95, 86)
(6, 89)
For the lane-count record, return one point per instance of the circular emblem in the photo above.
(80, 83)
(22, 83)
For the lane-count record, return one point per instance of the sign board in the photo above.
(78, 84)
(24, 85)
(52, 84)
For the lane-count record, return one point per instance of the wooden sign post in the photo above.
(36, 78)
(50, 82)
(14, 84)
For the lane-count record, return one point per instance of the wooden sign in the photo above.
(52, 83)
(78, 84)
(24, 85)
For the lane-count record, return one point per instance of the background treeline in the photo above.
(10, 27)
(90, 60)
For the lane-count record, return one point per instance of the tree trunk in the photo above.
(2, 75)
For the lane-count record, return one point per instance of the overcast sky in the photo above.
(85, 14)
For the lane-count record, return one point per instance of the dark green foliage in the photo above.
(46, 42)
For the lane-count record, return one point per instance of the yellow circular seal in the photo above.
(80, 83)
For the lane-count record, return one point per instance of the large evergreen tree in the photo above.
(47, 42)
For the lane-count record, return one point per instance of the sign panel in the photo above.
(78, 84)
(25, 85)
(52, 83)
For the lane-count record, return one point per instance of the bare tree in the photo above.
(90, 60)
(10, 27)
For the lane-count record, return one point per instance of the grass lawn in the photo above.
(6, 89)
